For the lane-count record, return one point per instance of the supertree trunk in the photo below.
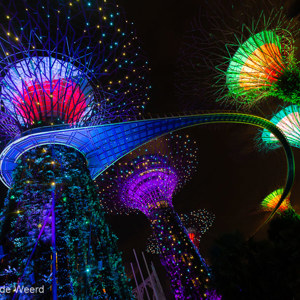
(58, 175)
(187, 270)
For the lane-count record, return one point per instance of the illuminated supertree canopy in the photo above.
(288, 120)
(262, 66)
(149, 176)
(196, 222)
(272, 199)
(147, 183)
(245, 56)
(239, 54)
(265, 64)
(76, 63)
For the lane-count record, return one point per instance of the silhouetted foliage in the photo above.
(268, 269)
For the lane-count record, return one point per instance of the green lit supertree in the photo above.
(270, 202)
(246, 56)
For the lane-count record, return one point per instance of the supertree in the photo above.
(73, 63)
(147, 183)
(264, 65)
(69, 72)
(196, 222)
(288, 120)
(247, 52)
(68, 64)
(285, 210)
(269, 203)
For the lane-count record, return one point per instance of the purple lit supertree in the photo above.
(63, 65)
(147, 183)
(196, 222)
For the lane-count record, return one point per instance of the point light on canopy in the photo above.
(288, 120)
(262, 66)
(270, 202)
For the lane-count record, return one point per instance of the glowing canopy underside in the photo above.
(41, 88)
(272, 199)
(256, 64)
(102, 145)
(148, 189)
(288, 120)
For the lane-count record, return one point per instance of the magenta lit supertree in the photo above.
(147, 183)
(196, 222)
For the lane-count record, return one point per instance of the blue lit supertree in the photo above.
(72, 65)
(146, 182)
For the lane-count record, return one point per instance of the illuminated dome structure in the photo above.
(196, 222)
(80, 66)
(270, 202)
(147, 183)
(44, 90)
(264, 65)
(288, 120)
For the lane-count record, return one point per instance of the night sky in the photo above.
(233, 176)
